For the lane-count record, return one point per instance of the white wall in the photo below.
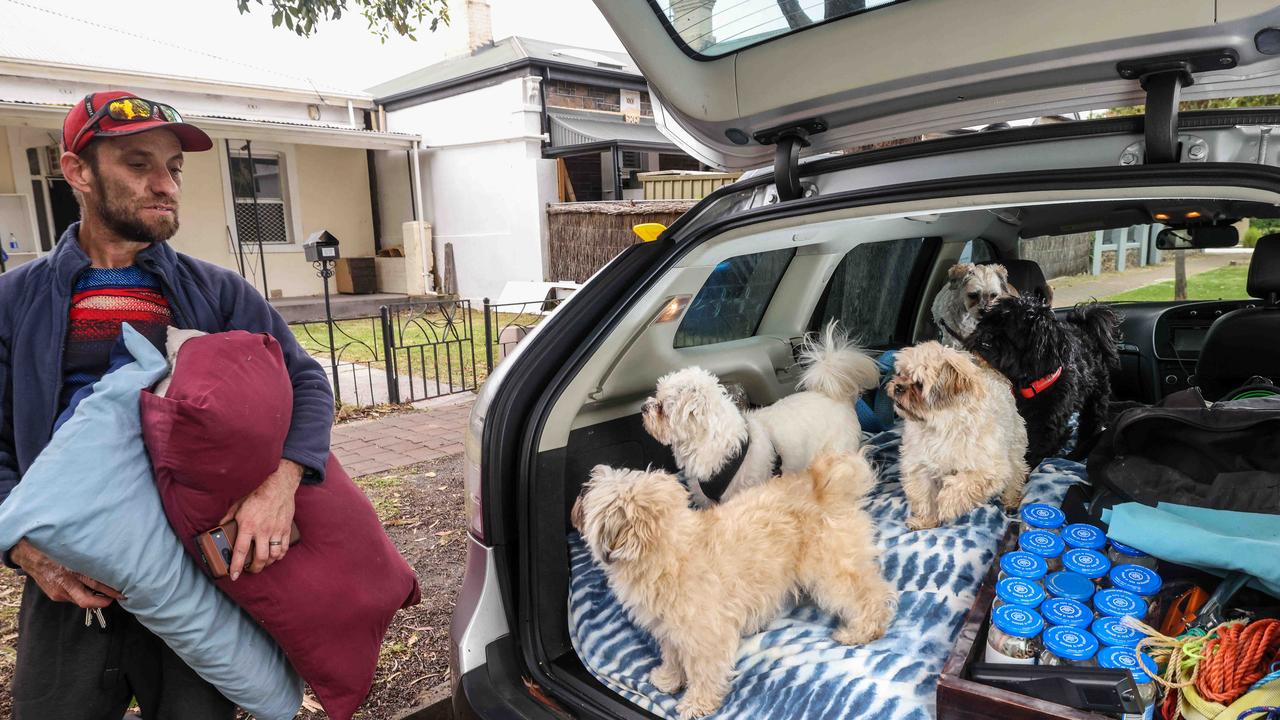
(485, 184)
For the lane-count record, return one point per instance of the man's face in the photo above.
(136, 185)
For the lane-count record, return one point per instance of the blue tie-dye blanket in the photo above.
(793, 669)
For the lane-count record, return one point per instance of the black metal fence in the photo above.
(431, 349)
(506, 324)
(352, 356)
(418, 350)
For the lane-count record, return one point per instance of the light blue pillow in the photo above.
(90, 503)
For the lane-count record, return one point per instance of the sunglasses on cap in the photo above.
(124, 110)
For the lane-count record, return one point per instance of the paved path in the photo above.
(1079, 288)
(363, 384)
(374, 446)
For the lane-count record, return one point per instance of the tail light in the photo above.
(471, 480)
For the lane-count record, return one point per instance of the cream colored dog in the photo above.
(698, 580)
(963, 441)
(722, 450)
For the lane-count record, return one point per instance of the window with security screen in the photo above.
(734, 298)
(258, 192)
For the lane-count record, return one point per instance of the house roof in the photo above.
(95, 47)
(507, 54)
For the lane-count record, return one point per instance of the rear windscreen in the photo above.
(710, 28)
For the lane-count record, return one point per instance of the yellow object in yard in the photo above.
(648, 232)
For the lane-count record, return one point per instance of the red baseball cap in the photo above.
(89, 119)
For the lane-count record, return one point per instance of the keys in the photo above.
(91, 613)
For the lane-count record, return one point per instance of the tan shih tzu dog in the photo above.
(970, 289)
(963, 441)
(698, 580)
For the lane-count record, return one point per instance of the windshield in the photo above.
(710, 28)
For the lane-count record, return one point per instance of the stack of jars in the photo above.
(1061, 597)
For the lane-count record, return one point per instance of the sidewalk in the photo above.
(373, 446)
(1080, 288)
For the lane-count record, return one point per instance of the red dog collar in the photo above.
(1041, 385)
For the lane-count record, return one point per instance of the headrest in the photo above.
(1264, 268)
(1026, 276)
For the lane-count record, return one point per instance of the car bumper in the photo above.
(496, 689)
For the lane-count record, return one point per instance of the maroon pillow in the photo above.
(216, 436)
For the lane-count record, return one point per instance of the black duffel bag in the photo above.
(1224, 456)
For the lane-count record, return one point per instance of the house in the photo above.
(290, 157)
(513, 126)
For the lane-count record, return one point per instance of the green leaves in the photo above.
(402, 17)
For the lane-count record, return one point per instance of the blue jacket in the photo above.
(35, 302)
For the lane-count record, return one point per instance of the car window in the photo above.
(710, 29)
(977, 250)
(868, 293)
(732, 301)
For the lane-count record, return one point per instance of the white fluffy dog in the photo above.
(963, 440)
(803, 532)
(722, 450)
(970, 289)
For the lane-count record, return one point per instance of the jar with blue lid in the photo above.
(1013, 637)
(1084, 535)
(1089, 563)
(1016, 591)
(1119, 603)
(1112, 632)
(1023, 565)
(1072, 646)
(1068, 613)
(1140, 665)
(1139, 580)
(1038, 516)
(1070, 585)
(1045, 545)
(1122, 554)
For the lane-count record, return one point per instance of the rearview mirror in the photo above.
(1199, 236)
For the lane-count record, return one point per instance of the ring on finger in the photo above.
(275, 543)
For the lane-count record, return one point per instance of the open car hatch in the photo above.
(732, 77)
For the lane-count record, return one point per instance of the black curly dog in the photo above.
(1057, 367)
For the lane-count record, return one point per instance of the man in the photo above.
(59, 318)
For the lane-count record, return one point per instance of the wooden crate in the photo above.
(962, 699)
(356, 276)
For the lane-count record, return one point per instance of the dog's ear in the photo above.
(959, 272)
(1003, 273)
(957, 376)
(629, 529)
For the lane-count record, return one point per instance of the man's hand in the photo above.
(264, 518)
(59, 583)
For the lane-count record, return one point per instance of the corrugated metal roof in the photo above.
(26, 29)
(579, 128)
(505, 52)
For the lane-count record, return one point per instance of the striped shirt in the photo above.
(103, 299)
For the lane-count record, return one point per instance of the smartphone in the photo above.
(217, 545)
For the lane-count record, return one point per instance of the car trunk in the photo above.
(530, 490)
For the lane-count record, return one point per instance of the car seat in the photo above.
(1242, 343)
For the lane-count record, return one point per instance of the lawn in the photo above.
(1224, 283)
(428, 343)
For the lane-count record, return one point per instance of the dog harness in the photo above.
(715, 486)
(951, 332)
(1039, 386)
